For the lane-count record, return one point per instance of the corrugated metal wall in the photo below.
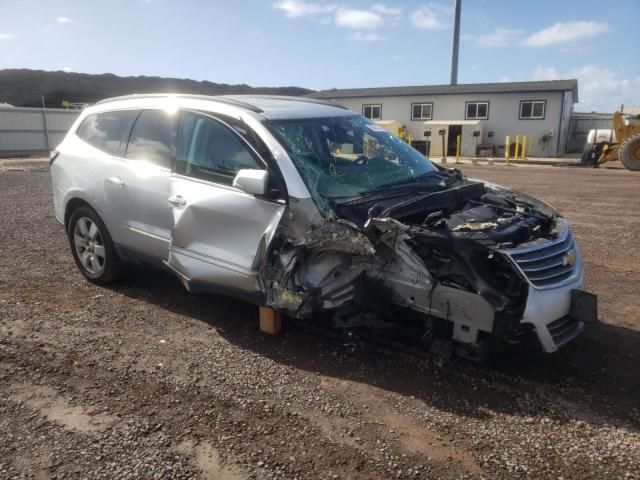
(580, 125)
(27, 130)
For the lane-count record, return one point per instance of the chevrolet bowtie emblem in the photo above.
(569, 258)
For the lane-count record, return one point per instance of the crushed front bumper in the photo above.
(558, 315)
(557, 308)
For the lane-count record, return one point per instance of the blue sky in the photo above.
(344, 43)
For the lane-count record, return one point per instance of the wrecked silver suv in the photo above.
(319, 213)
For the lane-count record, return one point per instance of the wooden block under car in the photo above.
(270, 321)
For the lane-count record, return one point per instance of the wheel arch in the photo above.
(71, 205)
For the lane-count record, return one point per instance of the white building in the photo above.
(490, 111)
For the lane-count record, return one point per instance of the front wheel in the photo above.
(91, 246)
(629, 152)
(588, 155)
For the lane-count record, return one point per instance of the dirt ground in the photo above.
(143, 380)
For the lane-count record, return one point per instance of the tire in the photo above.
(629, 152)
(92, 247)
(587, 157)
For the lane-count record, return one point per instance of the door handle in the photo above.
(177, 201)
(117, 181)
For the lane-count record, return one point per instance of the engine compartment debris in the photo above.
(432, 265)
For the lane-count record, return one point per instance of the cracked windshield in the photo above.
(342, 157)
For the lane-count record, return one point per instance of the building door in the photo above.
(454, 131)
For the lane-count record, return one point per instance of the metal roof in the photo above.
(504, 87)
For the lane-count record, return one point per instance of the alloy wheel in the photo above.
(89, 246)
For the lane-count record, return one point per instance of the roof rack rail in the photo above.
(217, 98)
(295, 99)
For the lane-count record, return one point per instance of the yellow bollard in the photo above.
(506, 149)
(458, 149)
(517, 147)
(524, 146)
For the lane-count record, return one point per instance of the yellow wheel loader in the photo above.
(622, 143)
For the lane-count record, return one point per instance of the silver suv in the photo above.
(309, 208)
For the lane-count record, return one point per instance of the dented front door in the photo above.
(220, 234)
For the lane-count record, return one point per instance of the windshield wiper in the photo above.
(453, 176)
(386, 193)
(415, 185)
(397, 189)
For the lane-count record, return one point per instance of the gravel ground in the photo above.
(143, 380)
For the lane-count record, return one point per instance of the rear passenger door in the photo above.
(220, 233)
(105, 136)
(140, 188)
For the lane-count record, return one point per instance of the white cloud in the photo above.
(297, 9)
(362, 20)
(66, 69)
(385, 10)
(365, 37)
(64, 20)
(501, 37)
(431, 17)
(358, 19)
(371, 18)
(545, 73)
(6, 36)
(565, 32)
(599, 89)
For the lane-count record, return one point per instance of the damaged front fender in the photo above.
(318, 272)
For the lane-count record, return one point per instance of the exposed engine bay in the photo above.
(430, 263)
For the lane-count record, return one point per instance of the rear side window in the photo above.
(209, 150)
(107, 131)
(151, 138)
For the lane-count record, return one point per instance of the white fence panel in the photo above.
(30, 130)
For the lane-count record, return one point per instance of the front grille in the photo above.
(548, 264)
(564, 330)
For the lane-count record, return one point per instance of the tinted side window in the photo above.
(151, 138)
(209, 150)
(107, 131)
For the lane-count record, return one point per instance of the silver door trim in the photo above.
(148, 234)
(218, 262)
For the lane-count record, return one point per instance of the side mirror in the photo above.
(252, 181)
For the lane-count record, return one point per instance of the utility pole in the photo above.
(45, 124)
(455, 42)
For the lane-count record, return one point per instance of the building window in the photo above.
(477, 111)
(532, 109)
(372, 112)
(421, 111)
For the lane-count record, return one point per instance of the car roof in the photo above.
(281, 107)
(272, 107)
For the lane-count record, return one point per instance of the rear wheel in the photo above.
(91, 246)
(629, 152)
